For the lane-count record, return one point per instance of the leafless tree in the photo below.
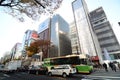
(31, 8)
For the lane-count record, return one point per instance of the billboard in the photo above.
(34, 35)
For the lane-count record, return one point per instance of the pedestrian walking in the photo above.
(105, 67)
(111, 65)
(114, 67)
(119, 65)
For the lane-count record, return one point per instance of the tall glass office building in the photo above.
(87, 40)
(56, 29)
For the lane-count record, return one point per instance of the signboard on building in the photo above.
(94, 58)
(44, 25)
(34, 35)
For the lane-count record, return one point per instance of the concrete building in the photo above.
(56, 29)
(105, 34)
(29, 37)
(6, 57)
(74, 39)
(1, 60)
(16, 51)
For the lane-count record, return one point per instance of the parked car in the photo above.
(63, 70)
(37, 70)
(1, 67)
(23, 69)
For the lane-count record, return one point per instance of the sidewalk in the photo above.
(101, 74)
(103, 70)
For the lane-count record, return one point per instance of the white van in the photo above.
(12, 66)
(63, 70)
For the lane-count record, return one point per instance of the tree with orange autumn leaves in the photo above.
(37, 47)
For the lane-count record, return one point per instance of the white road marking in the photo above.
(6, 75)
(110, 77)
(95, 79)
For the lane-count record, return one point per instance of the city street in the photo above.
(103, 75)
(97, 75)
(26, 76)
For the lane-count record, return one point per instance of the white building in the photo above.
(29, 37)
(87, 40)
(16, 51)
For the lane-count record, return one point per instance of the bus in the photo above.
(81, 62)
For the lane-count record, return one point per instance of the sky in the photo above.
(12, 31)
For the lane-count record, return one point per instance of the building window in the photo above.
(103, 32)
(106, 38)
(116, 56)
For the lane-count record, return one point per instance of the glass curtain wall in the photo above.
(87, 39)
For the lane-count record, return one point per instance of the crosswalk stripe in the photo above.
(6, 75)
(105, 77)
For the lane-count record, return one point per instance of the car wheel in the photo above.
(37, 72)
(77, 71)
(90, 71)
(64, 75)
(49, 74)
(28, 72)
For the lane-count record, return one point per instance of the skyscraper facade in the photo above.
(74, 39)
(56, 29)
(105, 34)
(44, 34)
(61, 41)
(86, 37)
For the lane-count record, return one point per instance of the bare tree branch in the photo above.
(39, 3)
(31, 8)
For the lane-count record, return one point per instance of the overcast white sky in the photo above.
(12, 31)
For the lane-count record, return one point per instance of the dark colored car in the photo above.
(23, 69)
(38, 70)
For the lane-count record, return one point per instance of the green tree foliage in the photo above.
(31, 8)
(36, 47)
